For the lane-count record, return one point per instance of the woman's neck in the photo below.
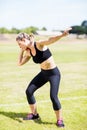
(31, 47)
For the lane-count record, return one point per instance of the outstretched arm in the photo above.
(23, 58)
(54, 38)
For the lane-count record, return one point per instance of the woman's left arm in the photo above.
(54, 38)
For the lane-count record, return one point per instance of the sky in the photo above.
(52, 14)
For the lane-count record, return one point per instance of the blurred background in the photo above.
(48, 16)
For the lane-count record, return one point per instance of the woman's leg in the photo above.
(54, 87)
(35, 84)
(59, 114)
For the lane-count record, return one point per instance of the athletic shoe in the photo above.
(31, 116)
(60, 123)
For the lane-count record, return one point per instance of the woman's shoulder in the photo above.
(40, 46)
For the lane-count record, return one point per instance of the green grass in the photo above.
(71, 58)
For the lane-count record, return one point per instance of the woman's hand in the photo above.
(66, 32)
(20, 56)
(24, 56)
(27, 51)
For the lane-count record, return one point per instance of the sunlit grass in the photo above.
(71, 58)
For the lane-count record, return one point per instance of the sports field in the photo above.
(70, 55)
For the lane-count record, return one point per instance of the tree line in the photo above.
(14, 30)
(76, 29)
(79, 29)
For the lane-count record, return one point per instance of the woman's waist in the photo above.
(48, 64)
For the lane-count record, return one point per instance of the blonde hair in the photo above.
(24, 35)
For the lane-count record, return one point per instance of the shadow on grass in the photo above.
(15, 116)
(39, 121)
(19, 117)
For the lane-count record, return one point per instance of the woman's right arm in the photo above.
(53, 39)
(23, 58)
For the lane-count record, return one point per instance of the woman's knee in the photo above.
(29, 91)
(55, 102)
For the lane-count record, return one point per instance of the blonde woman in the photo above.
(41, 55)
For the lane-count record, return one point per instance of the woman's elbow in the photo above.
(19, 64)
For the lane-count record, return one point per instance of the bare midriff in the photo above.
(48, 64)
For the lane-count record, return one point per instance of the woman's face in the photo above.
(23, 43)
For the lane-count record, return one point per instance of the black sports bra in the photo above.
(40, 55)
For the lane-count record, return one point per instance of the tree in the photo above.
(84, 23)
(79, 29)
(44, 29)
(3, 30)
(14, 31)
(30, 29)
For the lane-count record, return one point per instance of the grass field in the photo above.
(71, 57)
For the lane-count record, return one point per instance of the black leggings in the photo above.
(53, 76)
